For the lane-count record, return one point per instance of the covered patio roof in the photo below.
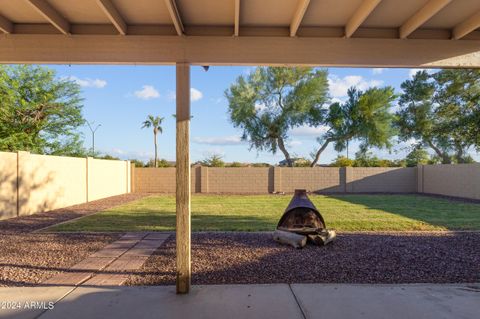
(407, 33)
(361, 33)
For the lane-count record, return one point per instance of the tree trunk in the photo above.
(445, 158)
(459, 155)
(281, 146)
(319, 152)
(155, 142)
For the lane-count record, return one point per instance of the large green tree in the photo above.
(270, 101)
(365, 116)
(39, 112)
(418, 156)
(442, 111)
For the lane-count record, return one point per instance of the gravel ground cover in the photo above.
(27, 258)
(243, 258)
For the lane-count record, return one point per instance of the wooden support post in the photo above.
(183, 178)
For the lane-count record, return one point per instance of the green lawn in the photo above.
(255, 213)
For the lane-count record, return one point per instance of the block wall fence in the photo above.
(262, 180)
(461, 180)
(31, 183)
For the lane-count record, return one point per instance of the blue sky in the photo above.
(120, 98)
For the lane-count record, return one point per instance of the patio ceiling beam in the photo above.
(360, 15)
(183, 181)
(175, 15)
(244, 50)
(52, 15)
(236, 31)
(6, 26)
(466, 27)
(298, 16)
(430, 9)
(113, 15)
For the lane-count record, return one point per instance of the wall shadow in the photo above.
(435, 211)
(20, 190)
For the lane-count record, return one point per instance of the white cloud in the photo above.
(308, 131)
(294, 143)
(218, 140)
(89, 83)
(124, 154)
(147, 92)
(339, 86)
(412, 72)
(378, 70)
(195, 95)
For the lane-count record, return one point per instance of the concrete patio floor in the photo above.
(245, 301)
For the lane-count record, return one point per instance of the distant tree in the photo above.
(302, 162)
(137, 162)
(418, 156)
(442, 111)
(260, 165)
(159, 163)
(367, 159)
(365, 116)
(235, 164)
(39, 112)
(213, 160)
(272, 100)
(107, 157)
(342, 161)
(154, 122)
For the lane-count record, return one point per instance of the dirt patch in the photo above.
(30, 223)
(244, 258)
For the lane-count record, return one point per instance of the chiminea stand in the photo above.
(303, 219)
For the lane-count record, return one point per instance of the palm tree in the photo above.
(155, 122)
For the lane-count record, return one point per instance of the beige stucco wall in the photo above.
(8, 185)
(381, 179)
(316, 179)
(31, 183)
(50, 182)
(106, 178)
(462, 180)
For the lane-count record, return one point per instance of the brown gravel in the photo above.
(242, 258)
(28, 258)
(30, 223)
